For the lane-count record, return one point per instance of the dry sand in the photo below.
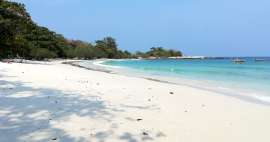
(58, 102)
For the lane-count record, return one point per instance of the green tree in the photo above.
(22, 38)
(108, 46)
(42, 53)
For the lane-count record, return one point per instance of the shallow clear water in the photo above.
(251, 77)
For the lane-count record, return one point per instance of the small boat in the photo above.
(239, 61)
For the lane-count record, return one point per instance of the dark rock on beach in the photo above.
(139, 119)
(145, 134)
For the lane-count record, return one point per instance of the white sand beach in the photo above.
(63, 103)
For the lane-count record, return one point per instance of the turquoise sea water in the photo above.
(250, 78)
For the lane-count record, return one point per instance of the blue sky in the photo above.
(196, 27)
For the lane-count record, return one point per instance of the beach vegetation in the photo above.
(22, 38)
(159, 52)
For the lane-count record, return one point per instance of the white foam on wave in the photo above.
(262, 98)
(100, 63)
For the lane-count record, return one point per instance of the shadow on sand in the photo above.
(27, 114)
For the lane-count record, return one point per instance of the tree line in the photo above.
(22, 38)
(158, 52)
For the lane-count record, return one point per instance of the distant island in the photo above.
(22, 38)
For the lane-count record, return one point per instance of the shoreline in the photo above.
(72, 104)
(259, 99)
(73, 63)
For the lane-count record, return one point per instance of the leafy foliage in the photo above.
(159, 52)
(42, 53)
(22, 38)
